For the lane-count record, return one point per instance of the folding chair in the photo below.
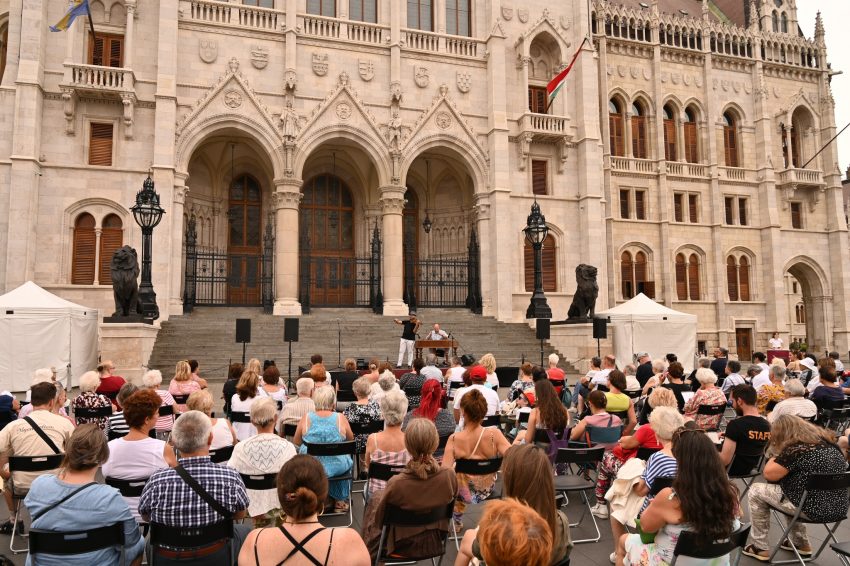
(835, 483)
(398, 517)
(69, 543)
(127, 488)
(221, 454)
(240, 417)
(259, 481)
(492, 420)
(367, 429)
(190, 539)
(633, 394)
(643, 453)
(166, 410)
(27, 464)
(661, 482)
(180, 399)
(834, 415)
(345, 448)
(378, 471)
(843, 552)
(454, 386)
(687, 546)
(289, 430)
(583, 457)
(749, 477)
(476, 468)
(345, 396)
(713, 410)
(96, 413)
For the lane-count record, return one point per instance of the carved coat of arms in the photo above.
(507, 13)
(259, 57)
(464, 81)
(421, 76)
(522, 14)
(320, 64)
(366, 68)
(208, 50)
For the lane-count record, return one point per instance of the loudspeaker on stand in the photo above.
(290, 329)
(243, 330)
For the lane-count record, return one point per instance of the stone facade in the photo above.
(421, 123)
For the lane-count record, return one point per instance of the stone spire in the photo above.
(705, 9)
(820, 34)
(754, 16)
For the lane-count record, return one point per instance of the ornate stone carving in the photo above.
(394, 131)
(443, 120)
(233, 65)
(464, 81)
(290, 81)
(286, 199)
(320, 64)
(444, 90)
(343, 80)
(69, 105)
(124, 270)
(180, 195)
(566, 22)
(507, 13)
(366, 67)
(289, 121)
(343, 111)
(421, 76)
(208, 50)
(522, 14)
(232, 99)
(524, 147)
(259, 57)
(587, 291)
(395, 92)
(814, 197)
(128, 101)
(392, 199)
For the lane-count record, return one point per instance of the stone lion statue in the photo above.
(584, 301)
(125, 287)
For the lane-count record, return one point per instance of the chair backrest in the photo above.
(771, 405)
(113, 434)
(441, 445)
(240, 417)
(556, 383)
(180, 399)
(289, 429)
(579, 455)
(523, 416)
(278, 402)
(507, 375)
(541, 435)
(604, 434)
(75, 542)
(687, 544)
(633, 394)
(492, 420)
(455, 385)
(378, 471)
(128, 488)
(660, 483)
(346, 396)
(190, 537)
(345, 448)
(259, 481)
(35, 463)
(221, 454)
(755, 456)
(396, 516)
(826, 482)
(95, 413)
(367, 428)
(166, 410)
(643, 453)
(478, 467)
(713, 410)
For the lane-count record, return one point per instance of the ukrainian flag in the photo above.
(78, 8)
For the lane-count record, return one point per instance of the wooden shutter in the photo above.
(693, 278)
(729, 203)
(795, 147)
(693, 208)
(670, 153)
(627, 275)
(742, 211)
(83, 254)
(678, 199)
(730, 145)
(744, 278)
(640, 205)
(732, 278)
(640, 272)
(106, 50)
(796, 216)
(538, 177)
(100, 144)
(691, 148)
(96, 50)
(537, 99)
(639, 137)
(550, 270)
(111, 239)
(681, 278)
(624, 203)
(116, 48)
(617, 144)
(528, 266)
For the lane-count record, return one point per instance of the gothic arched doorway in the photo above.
(244, 241)
(813, 295)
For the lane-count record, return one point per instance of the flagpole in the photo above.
(91, 23)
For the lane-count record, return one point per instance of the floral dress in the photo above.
(770, 392)
(362, 415)
(473, 489)
(713, 396)
(91, 400)
(517, 387)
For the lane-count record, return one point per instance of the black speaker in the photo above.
(542, 328)
(243, 330)
(600, 328)
(467, 360)
(361, 364)
(290, 330)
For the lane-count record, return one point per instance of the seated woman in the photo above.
(684, 507)
(153, 381)
(510, 533)
(708, 394)
(116, 424)
(524, 382)
(801, 449)
(549, 414)
(302, 488)
(619, 402)
(387, 446)
(598, 417)
(676, 383)
(52, 510)
(386, 383)
(659, 368)
(660, 397)
(345, 380)
(272, 386)
(137, 456)
(429, 408)
(262, 454)
(88, 399)
(795, 403)
(829, 391)
(363, 411)
(222, 430)
(325, 425)
(527, 477)
(182, 383)
(473, 442)
(422, 485)
(248, 390)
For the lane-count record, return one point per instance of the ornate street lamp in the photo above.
(535, 233)
(148, 214)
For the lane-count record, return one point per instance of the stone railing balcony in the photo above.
(801, 178)
(95, 79)
(633, 165)
(348, 30)
(686, 170)
(544, 127)
(737, 175)
(232, 15)
(430, 42)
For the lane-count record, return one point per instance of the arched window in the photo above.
(4, 40)
(615, 125)
(83, 255)
(691, 137)
(111, 239)
(730, 139)
(671, 151)
(744, 277)
(738, 278)
(775, 19)
(627, 274)
(639, 137)
(732, 278)
(784, 22)
(800, 312)
(635, 274)
(550, 267)
(420, 14)
(687, 277)
(693, 278)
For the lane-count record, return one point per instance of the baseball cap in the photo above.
(477, 372)
(529, 395)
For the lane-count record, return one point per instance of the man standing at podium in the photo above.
(437, 334)
(408, 338)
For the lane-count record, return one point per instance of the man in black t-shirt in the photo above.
(408, 336)
(747, 436)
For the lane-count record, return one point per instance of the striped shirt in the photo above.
(117, 424)
(659, 465)
(169, 500)
(165, 423)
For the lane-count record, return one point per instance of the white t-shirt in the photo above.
(491, 396)
(493, 380)
(455, 373)
(244, 431)
(221, 435)
(775, 343)
(600, 377)
(134, 460)
(761, 380)
(839, 367)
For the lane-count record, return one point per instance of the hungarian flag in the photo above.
(554, 86)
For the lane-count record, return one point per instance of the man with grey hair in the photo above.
(296, 408)
(431, 371)
(172, 496)
(632, 384)
(718, 365)
(692, 379)
(795, 403)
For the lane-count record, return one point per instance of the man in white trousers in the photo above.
(408, 337)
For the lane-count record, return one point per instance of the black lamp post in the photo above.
(148, 214)
(535, 233)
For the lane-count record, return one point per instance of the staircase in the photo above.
(208, 334)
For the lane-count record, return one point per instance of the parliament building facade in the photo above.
(386, 153)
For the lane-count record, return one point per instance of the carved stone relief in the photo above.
(421, 76)
(208, 50)
(320, 64)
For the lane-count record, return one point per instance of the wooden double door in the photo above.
(245, 242)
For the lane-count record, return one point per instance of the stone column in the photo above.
(98, 232)
(286, 200)
(128, 33)
(392, 203)
(175, 299)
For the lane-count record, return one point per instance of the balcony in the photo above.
(544, 127)
(686, 170)
(102, 82)
(737, 175)
(801, 178)
(333, 28)
(231, 15)
(632, 165)
(429, 42)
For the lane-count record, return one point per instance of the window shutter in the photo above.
(677, 207)
(640, 205)
(795, 147)
(83, 258)
(538, 177)
(744, 278)
(691, 149)
(100, 144)
(730, 145)
(116, 48)
(670, 140)
(639, 137)
(693, 201)
(640, 272)
(796, 216)
(111, 239)
(742, 211)
(528, 262)
(615, 125)
(681, 278)
(96, 50)
(627, 275)
(732, 278)
(729, 203)
(693, 278)
(624, 203)
(549, 256)
(537, 99)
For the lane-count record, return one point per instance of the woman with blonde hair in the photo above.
(222, 430)
(510, 533)
(488, 362)
(254, 365)
(247, 391)
(182, 385)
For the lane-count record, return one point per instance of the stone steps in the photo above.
(208, 335)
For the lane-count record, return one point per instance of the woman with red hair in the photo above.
(430, 408)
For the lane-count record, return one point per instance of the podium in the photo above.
(419, 345)
(784, 354)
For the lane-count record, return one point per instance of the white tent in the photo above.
(39, 329)
(642, 325)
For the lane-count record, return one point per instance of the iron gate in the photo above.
(443, 282)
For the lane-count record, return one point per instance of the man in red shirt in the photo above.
(555, 373)
(109, 384)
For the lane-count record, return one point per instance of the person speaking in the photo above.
(408, 338)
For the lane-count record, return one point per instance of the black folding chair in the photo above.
(584, 458)
(345, 448)
(127, 488)
(166, 410)
(180, 399)
(643, 453)
(221, 454)
(289, 430)
(687, 546)
(476, 468)
(713, 410)
(69, 543)
(749, 477)
(95, 413)
(240, 417)
(843, 552)
(835, 485)
(492, 420)
(399, 517)
(365, 429)
(382, 472)
(27, 464)
(834, 415)
(345, 396)
(659, 483)
(454, 386)
(189, 539)
(633, 394)
(259, 481)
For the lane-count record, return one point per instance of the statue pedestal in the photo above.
(129, 346)
(575, 340)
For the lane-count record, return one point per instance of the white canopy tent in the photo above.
(642, 325)
(39, 329)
